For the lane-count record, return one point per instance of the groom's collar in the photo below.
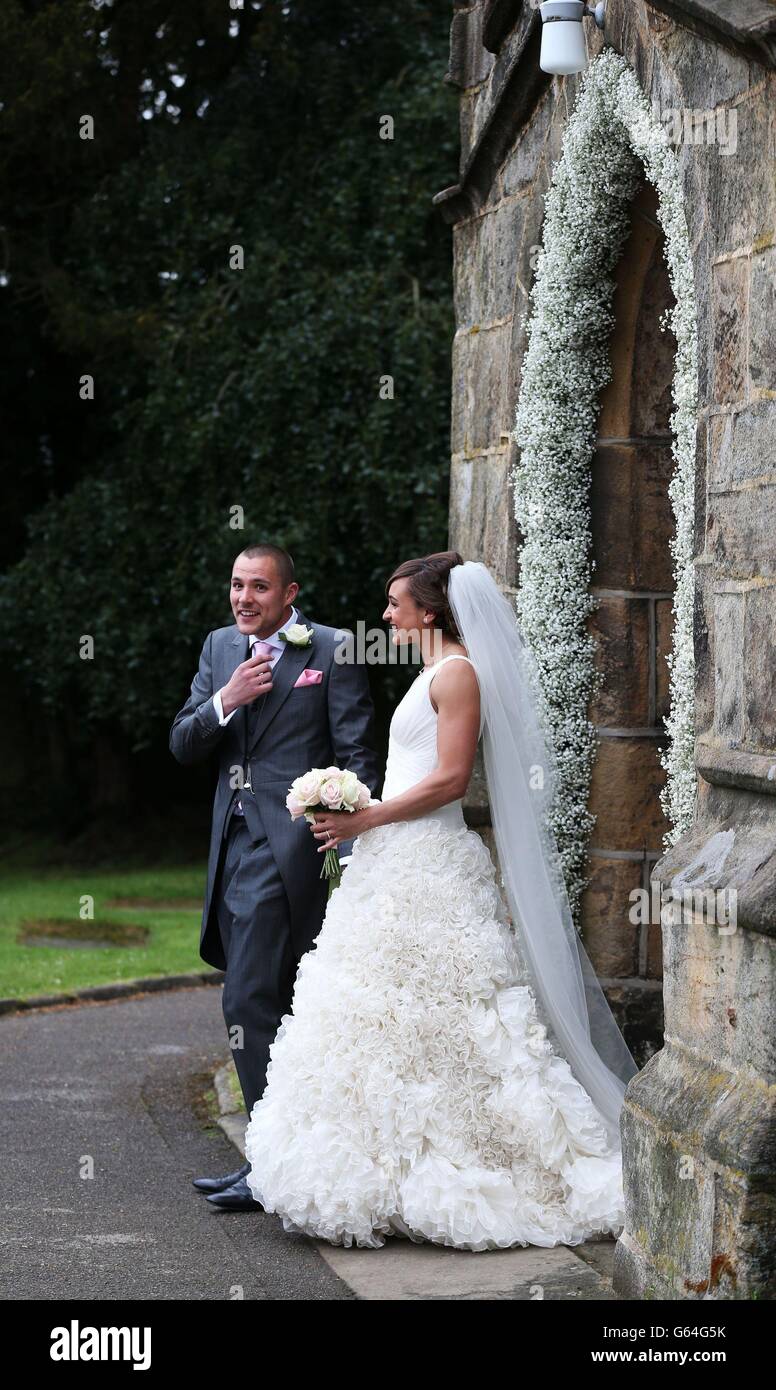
(274, 637)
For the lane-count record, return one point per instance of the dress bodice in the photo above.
(412, 742)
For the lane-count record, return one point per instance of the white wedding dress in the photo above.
(414, 1090)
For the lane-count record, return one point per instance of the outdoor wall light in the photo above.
(563, 39)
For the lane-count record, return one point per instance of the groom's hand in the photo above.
(250, 679)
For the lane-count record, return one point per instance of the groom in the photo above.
(270, 699)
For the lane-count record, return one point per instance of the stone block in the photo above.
(695, 1227)
(479, 408)
(522, 164)
(611, 939)
(485, 257)
(741, 444)
(482, 523)
(762, 319)
(741, 526)
(740, 195)
(758, 663)
(632, 517)
(620, 626)
(730, 292)
(624, 794)
(728, 682)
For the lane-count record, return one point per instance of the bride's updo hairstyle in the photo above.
(427, 583)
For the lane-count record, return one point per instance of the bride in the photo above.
(447, 1074)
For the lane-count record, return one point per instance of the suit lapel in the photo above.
(284, 674)
(238, 652)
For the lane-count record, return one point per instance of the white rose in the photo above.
(306, 789)
(298, 635)
(349, 782)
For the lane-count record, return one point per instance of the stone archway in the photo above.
(697, 1121)
(631, 526)
(614, 151)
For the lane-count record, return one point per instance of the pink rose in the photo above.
(330, 794)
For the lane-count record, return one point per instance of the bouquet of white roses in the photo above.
(327, 789)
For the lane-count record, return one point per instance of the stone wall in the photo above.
(697, 1124)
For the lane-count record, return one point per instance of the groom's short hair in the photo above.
(283, 561)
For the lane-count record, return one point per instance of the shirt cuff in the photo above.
(219, 709)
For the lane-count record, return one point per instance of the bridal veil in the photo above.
(521, 775)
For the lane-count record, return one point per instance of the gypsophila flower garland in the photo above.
(611, 135)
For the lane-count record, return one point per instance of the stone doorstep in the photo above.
(407, 1270)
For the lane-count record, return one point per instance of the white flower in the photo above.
(305, 790)
(611, 139)
(328, 788)
(350, 786)
(297, 634)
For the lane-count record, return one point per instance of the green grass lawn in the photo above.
(157, 924)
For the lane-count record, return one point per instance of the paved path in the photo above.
(123, 1083)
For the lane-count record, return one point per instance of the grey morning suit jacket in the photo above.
(296, 729)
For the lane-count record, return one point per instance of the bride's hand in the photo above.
(332, 827)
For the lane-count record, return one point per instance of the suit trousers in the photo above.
(254, 922)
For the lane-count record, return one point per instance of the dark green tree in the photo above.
(215, 387)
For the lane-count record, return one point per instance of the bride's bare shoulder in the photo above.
(455, 678)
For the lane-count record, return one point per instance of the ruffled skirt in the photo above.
(413, 1090)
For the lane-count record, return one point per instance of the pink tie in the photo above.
(263, 649)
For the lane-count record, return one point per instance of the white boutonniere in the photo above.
(297, 634)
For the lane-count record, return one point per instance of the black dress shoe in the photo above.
(220, 1184)
(238, 1197)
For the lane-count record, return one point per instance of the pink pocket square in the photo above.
(309, 677)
